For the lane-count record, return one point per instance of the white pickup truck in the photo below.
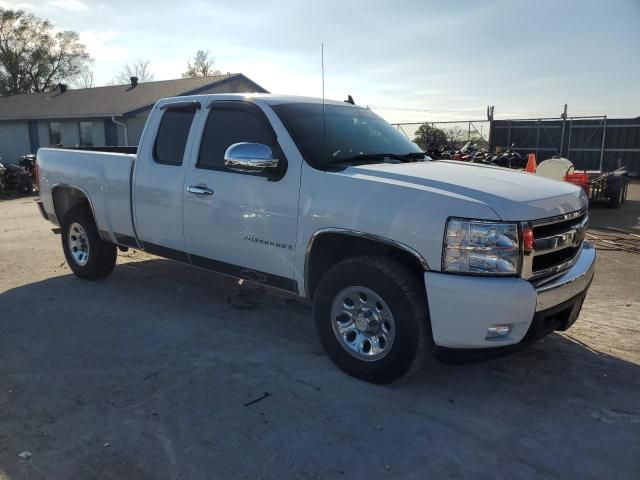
(328, 201)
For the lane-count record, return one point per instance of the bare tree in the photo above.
(34, 57)
(140, 69)
(201, 66)
(86, 79)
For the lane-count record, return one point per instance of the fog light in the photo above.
(497, 331)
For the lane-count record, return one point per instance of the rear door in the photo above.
(158, 184)
(241, 224)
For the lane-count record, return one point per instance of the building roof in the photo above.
(108, 101)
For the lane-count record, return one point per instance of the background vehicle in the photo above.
(328, 201)
(598, 185)
(16, 178)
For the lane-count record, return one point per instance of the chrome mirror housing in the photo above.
(249, 157)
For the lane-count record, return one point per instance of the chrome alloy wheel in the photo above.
(78, 244)
(363, 323)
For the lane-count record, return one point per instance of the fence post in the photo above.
(537, 138)
(569, 140)
(604, 135)
(564, 123)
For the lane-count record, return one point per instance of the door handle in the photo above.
(199, 190)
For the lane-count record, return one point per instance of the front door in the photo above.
(241, 224)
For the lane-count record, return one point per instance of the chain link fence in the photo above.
(457, 133)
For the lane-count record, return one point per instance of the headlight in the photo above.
(472, 246)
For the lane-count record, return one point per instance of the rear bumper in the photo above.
(462, 308)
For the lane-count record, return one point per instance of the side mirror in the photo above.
(249, 157)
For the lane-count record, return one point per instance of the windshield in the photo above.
(350, 134)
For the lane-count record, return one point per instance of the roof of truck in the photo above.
(270, 98)
(114, 100)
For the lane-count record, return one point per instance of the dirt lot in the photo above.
(148, 374)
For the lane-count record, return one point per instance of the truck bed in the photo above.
(130, 150)
(104, 177)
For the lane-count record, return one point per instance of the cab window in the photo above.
(172, 136)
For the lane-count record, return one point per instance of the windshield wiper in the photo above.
(395, 156)
(416, 155)
(364, 158)
(380, 156)
(407, 157)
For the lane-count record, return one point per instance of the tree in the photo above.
(458, 136)
(429, 136)
(201, 66)
(34, 57)
(86, 79)
(140, 69)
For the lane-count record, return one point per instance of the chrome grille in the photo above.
(556, 244)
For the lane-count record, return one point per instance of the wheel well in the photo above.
(328, 249)
(66, 198)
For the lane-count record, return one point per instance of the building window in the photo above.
(55, 133)
(86, 134)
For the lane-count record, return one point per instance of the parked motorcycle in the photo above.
(509, 159)
(15, 177)
(28, 162)
(481, 156)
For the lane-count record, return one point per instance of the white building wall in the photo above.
(14, 141)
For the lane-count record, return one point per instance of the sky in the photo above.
(410, 60)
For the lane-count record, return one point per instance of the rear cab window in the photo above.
(172, 135)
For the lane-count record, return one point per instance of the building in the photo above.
(101, 116)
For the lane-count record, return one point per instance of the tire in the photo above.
(100, 258)
(617, 199)
(401, 295)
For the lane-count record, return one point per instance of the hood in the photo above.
(512, 194)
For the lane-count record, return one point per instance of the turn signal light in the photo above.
(527, 240)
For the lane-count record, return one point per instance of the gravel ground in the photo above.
(150, 374)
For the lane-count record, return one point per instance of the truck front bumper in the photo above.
(463, 309)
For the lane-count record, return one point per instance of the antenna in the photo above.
(323, 116)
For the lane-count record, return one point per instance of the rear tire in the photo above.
(618, 197)
(88, 256)
(376, 339)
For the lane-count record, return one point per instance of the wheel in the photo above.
(371, 317)
(88, 256)
(617, 198)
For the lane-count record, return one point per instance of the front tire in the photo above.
(88, 256)
(371, 317)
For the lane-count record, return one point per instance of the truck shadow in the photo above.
(161, 357)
